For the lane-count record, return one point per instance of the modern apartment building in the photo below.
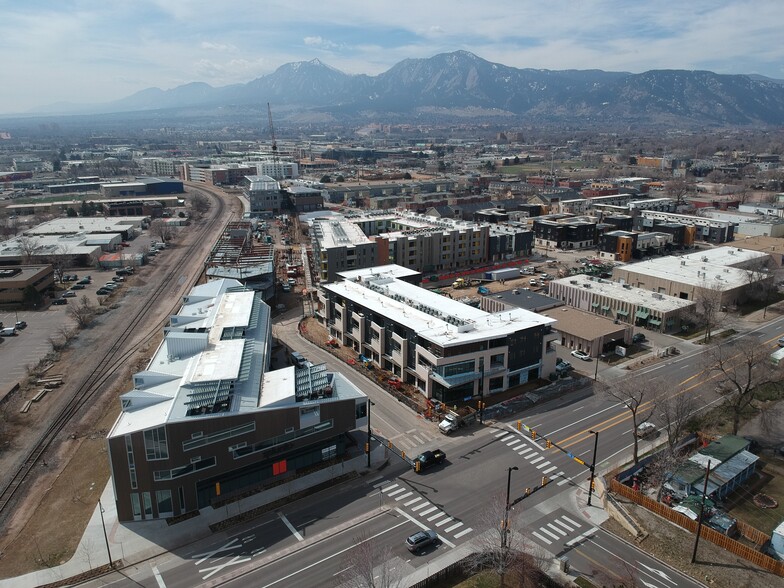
(263, 193)
(449, 350)
(207, 420)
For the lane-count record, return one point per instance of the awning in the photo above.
(642, 314)
(594, 304)
(654, 322)
(623, 312)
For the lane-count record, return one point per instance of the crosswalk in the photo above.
(561, 528)
(530, 451)
(425, 511)
(418, 439)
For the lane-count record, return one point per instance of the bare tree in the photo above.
(707, 298)
(676, 411)
(761, 285)
(29, 246)
(513, 558)
(60, 259)
(744, 369)
(677, 189)
(370, 565)
(161, 229)
(640, 398)
(199, 203)
(83, 313)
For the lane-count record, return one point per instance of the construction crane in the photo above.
(274, 143)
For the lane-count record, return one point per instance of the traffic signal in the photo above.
(417, 466)
(549, 444)
(533, 434)
(367, 447)
(593, 485)
(403, 454)
(545, 480)
(527, 491)
(519, 425)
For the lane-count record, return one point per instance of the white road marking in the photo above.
(396, 492)
(445, 521)
(524, 451)
(550, 469)
(505, 439)
(403, 496)
(659, 573)
(570, 521)
(438, 515)
(501, 434)
(561, 532)
(542, 539)
(286, 522)
(553, 535)
(413, 501)
(158, 577)
(422, 526)
(427, 511)
(417, 439)
(544, 464)
(514, 442)
(205, 556)
(451, 528)
(582, 536)
(237, 559)
(537, 460)
(388, 488)
(463, 532)
(564, 525)
(418, 506)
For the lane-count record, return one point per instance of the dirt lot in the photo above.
(46, 527)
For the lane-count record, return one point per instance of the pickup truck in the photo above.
(428, 459)
(454, 420)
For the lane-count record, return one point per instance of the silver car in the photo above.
(421, 539)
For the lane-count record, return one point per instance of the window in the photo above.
(178, 472)
(361, 411)
(329, 452)
(181, 493)
(155, 444)
(136, 506)
(131, 462)
(202, 440)
(147, 504)
(164, 500)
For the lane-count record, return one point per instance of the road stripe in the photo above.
(463, 532)
(158, 577)
(564, 481)
(564, 525)
(451, 528)
(396, 492)
(553, 535)
(438, 515)
(537, 460)
(505, 439)
(403, 496)
(290, 526)
(514, 442)
(550, 469)
(413, 501)
(445, 521)
(570, 521)
(421, 526)
(561, 532)
(501, 434)
(542, 539)
(388, 488)
(544, 464)
(579, 538)
(418, 506)
(427, 511)
(524, 451)
(418, 440)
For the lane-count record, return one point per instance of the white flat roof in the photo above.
(726, 256)
(633, 295)
(437, 318)
(687, 271)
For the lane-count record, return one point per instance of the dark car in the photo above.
(723, 523)
(69, 294)
(421, 539)
(78, 287)
(21, 324)
(59, 301)
(638, 338)
(428, 459)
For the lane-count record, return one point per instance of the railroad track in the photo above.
(113, 358)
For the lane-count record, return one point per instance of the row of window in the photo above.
(200, 440)
(285, 438)
(194, 466)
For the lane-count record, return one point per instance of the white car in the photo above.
(579, 354)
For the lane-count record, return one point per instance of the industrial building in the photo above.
(449, 350)
(207, 420)
(15, 279)
(622, 302)
(588, 332)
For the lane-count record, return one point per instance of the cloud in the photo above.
(210, 46)
(320, 42)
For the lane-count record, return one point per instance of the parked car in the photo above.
(78, 286)
(638, 337)
(103, 291)
(781, 341)
(69, 294)
(580, 354)
(118, 279)
(21, 325)
(59, 301)
(421, 539)
(85, 281)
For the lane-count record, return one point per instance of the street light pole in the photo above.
(105, 536)
(593, 464)
(368, 432)
(504, 540)
(702, 509)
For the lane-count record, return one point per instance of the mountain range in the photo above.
(460, 85)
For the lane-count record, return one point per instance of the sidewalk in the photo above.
(132, 543)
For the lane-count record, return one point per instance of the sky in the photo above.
(90, 51)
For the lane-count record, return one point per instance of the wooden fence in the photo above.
(735, 547)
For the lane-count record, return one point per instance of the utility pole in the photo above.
(702, 509)
(504, 536)
(593, 464)
(105, 536)
(368, 431)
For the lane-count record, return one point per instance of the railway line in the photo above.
(125, 342)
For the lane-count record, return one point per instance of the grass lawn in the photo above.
(770, 482)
